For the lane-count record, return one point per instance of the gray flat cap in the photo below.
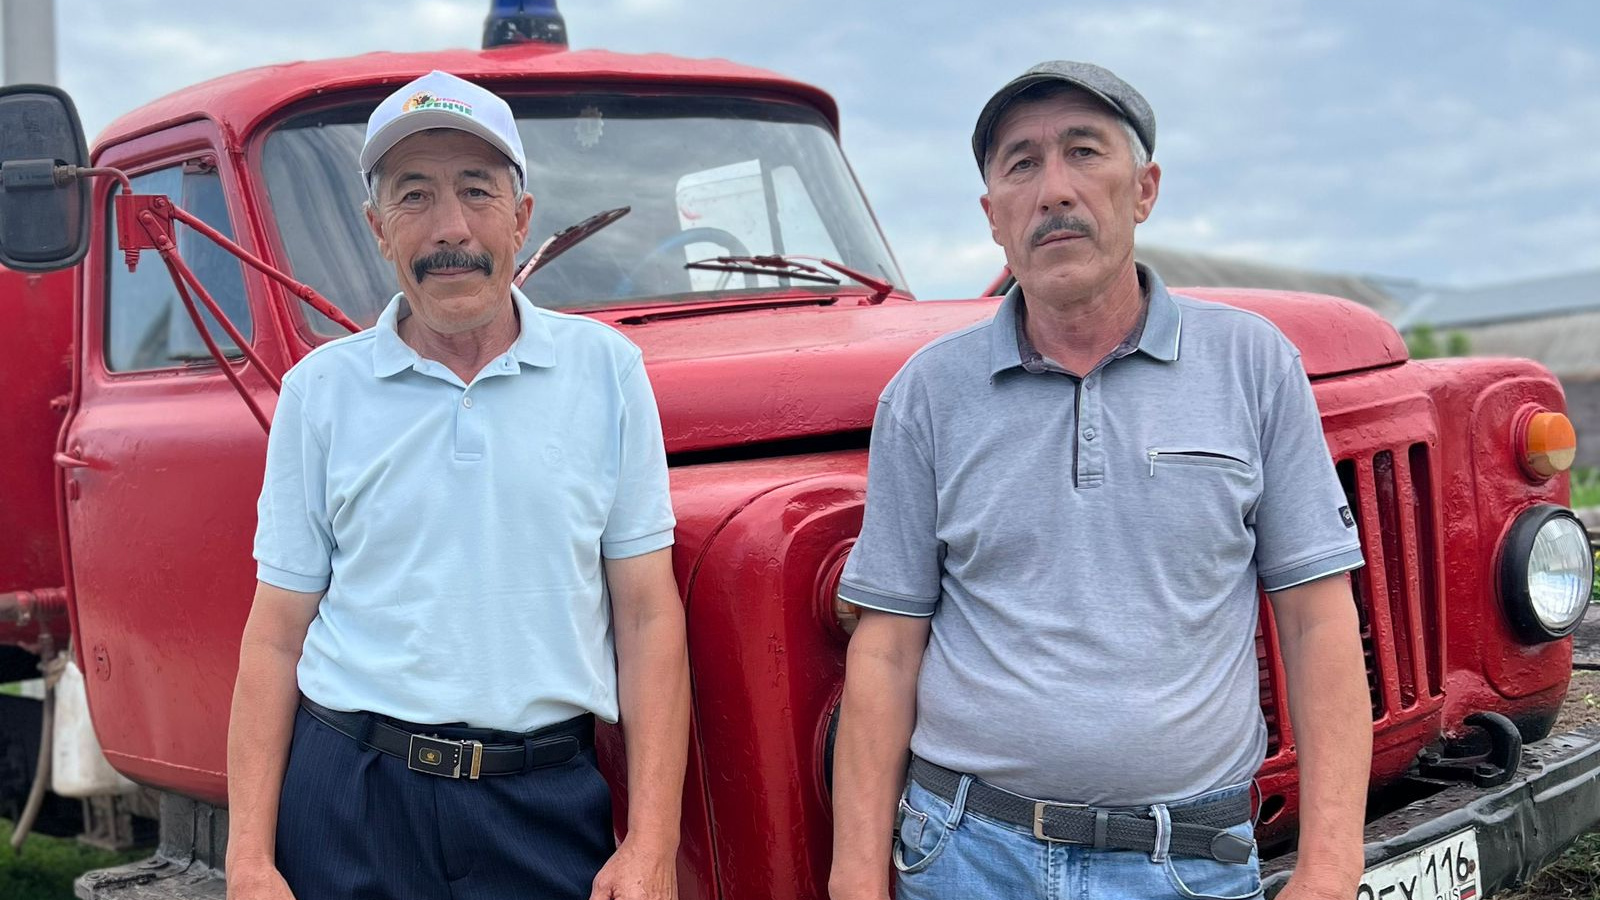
(1117, 94)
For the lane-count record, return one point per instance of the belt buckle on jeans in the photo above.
(1038, 820)
(433, 755)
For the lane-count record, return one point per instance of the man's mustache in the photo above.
(1059, 223)
(451, 259)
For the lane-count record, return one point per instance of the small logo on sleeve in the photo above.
(1346, 516)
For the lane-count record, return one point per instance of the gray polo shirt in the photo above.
(1090, 549)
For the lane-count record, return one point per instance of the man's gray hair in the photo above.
(517, 188)
(1141, 156)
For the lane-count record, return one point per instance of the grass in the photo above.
(46, 866)
(1585, 487)
(1575, 876)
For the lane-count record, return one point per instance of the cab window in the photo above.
(147, 326)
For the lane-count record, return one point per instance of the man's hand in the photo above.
(653, 690)
(1317, 884)
(841, 888)
(1332, 718)
(256, 881)
(879, 710)
(636, 872)
(260, 728)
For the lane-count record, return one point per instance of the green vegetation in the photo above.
(1585, 487)
(1422, 342)
(1575, 876)
(46, 866)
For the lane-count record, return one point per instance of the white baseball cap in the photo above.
(441, 100)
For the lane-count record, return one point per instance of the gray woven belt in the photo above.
(1196, 830)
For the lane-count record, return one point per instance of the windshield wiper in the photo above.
(565, 239)
(791, 267)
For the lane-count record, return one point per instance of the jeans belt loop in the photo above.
(1163, 843)
(958, 806)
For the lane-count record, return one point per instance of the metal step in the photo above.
(152, 879)
(187, 865)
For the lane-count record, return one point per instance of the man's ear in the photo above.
(1149, 189)
(524, 215)
(377, 229)
(988, 212)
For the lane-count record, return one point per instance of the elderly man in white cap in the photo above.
(463, 560)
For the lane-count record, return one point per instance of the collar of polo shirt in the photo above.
(391, 355)
(1163, 325)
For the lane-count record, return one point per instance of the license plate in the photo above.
(1443, 870)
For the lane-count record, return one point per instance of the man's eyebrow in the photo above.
(480, 174)
(409, 177)
(1016, 147)
(1082, 131)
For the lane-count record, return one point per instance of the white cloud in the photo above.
(946, 268)
(1431, 139)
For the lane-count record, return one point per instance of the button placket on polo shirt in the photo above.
(471, 425)
(1040, 366)
(1091, 446)
(469, 435)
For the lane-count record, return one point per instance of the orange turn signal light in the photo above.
(1550, 444)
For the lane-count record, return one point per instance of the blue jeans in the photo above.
(942, 851)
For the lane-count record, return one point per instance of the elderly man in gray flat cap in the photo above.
(1070, 510)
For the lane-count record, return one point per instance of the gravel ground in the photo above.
(1583, 702)
(1576, 876)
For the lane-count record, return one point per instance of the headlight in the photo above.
(1546, 573)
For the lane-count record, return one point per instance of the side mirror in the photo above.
(44, 211)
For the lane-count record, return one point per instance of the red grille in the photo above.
(1269, 697)
(1396, 593)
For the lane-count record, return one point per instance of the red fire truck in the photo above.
(155, 292)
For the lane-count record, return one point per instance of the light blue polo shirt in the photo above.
(458, 529)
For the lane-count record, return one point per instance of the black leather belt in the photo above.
(1196, 830)
(469, 752)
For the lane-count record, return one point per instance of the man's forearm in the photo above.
(1332, 718)
(877, 715)
(653, 692)
(260, 727)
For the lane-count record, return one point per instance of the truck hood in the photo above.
(732, 376)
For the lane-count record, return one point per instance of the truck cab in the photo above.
(767, 377)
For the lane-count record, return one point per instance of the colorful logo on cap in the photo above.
(427, 100)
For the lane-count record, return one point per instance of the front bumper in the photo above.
(1522, 826)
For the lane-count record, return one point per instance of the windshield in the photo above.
(704, 176)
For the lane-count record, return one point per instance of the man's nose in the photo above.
(1056, 188)
(450, 221)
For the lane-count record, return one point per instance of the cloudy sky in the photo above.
(1449, 141)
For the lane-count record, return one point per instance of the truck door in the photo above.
(162, 467)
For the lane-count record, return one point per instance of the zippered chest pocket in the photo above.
(1159, 456)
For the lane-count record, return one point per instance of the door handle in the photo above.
(67, 461)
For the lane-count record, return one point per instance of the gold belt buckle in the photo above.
(433, 755)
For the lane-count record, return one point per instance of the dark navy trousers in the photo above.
(356, 824)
